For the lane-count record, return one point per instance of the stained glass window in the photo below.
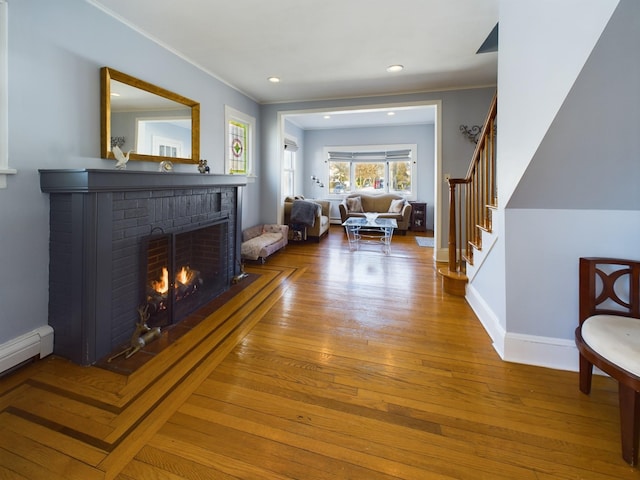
(238, 147)
(239, 139)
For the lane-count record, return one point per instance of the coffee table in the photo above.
(361, 230)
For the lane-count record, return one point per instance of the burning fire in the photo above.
(161, 286)
(185, 276)
(187, 282)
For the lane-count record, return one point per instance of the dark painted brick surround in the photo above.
(98, 219)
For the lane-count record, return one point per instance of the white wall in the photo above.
(55, 52)
(552, 168)
(543, 47)
(588, 159)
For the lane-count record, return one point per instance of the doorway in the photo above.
(348, 122)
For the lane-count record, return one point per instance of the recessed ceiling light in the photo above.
(327, 117)
(391, 114)
(395, 68)
(274, 79)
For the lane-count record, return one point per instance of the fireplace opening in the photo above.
(183, 271)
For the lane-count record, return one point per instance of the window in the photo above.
(239, 135)
(384, 169)
(4, 97)
(289, 168)
(164, 137)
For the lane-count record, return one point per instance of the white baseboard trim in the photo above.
(38, 342)
(556, 353)
(487, 318)
(442, 255)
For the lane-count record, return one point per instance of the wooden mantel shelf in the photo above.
(102, 180)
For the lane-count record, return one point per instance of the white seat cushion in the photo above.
(615, 338)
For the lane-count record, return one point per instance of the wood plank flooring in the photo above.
(331, 365)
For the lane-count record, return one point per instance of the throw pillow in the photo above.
(354, 204)
(271, 229)
(396, 205)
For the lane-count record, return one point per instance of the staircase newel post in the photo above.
(453, 248)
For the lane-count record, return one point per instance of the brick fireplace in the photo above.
(101, 223)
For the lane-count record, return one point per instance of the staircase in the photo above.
(471, 202)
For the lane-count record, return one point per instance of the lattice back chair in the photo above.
(608, 336)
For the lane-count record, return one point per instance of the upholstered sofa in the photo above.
(388, 205)
(321, 224)
(260, 241)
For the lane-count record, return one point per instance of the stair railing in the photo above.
(472, 198)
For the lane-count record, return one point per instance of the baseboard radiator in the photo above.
(37, 343)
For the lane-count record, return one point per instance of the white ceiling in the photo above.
(324, 49)
(370, 117)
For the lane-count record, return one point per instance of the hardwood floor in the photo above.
(331, 365)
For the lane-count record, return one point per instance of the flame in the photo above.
(162, 286)
(184, 276)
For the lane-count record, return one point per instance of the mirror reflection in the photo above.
(148, 121)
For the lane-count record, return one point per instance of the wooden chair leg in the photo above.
(629, 428)
(586, 372)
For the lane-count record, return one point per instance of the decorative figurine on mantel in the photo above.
(121, 157)
(165, 166)
(203, 167)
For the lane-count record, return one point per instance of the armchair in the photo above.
(608, 336)
(321, 224)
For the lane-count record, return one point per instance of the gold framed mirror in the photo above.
(154, 124)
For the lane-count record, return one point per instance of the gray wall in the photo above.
(421, 135)
(468, 107)
(56, 50)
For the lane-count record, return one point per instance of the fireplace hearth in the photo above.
(104, 227)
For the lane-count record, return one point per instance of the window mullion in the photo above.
(387, 177)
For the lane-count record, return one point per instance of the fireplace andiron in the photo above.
(242, 275)
(143, 335)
